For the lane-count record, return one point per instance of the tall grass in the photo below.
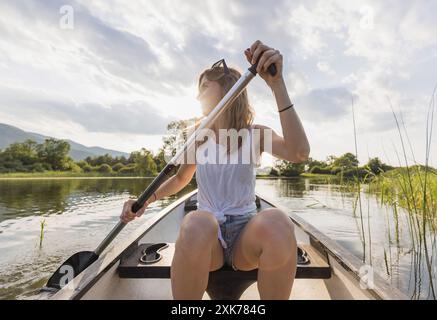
(409, 189)
(413, 188)
(357, 183)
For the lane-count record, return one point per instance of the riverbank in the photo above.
(94, 175)
(64, 175)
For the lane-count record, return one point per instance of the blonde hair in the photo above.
(240, 114)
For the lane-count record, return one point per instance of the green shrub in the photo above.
(87, 168)
(129, 170)
(73, 167)
(353, 172)
(117, 166)
(47, 166)
(104, 168)
(336, 170)
(274, 172)
(82, 164)
(14, 165)
(37, 167)
(320, 170)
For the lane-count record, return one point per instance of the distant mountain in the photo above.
(10, 134)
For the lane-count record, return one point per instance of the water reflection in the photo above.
(30, 197)
(375, 233)
(78, 214)
(298, 187)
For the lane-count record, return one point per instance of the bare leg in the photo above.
(277, 268)
(197, 252)
(268, 243)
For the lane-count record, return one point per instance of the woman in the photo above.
(226, 228)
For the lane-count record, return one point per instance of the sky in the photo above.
(115, 73)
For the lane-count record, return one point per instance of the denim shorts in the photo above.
(231, 230)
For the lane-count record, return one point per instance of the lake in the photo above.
(78, 213)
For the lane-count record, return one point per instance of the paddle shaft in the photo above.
(136, 206)
(224, 103)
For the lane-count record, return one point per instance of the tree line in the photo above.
(53, 155)
(346, 165)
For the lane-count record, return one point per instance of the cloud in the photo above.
(111, 51)
(325, 67)
(325, 104)
(185, 41)
(131, 117)
(382, 121)
(122, 58)
(134, 117)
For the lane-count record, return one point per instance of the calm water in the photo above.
(79, 213)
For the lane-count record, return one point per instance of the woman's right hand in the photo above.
(127, 215)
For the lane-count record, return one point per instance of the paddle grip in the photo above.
(137, 205)
(271, 69)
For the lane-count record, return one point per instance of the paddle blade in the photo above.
(71, 268)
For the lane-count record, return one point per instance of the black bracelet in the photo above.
(292, 105)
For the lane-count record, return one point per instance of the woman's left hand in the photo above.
(265, 56)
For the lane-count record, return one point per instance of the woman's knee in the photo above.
(276, 236)
(198, 228)
(275, 229)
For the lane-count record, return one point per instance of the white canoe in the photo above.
(332, 273)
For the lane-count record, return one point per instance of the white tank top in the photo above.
(225, 187)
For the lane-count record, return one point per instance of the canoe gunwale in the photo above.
(350, 263)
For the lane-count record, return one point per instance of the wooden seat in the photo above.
(224, 283)
(131, 267)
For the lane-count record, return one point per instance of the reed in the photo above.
(357, 185)
(41, 233)
(413, 188)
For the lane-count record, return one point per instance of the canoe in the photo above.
(326, 270)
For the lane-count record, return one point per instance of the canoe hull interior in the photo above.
(104, 280)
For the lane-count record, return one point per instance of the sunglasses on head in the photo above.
(218, 70)
(218, 64)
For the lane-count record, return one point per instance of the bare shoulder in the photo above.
(261, 135)
(267, 133)
(260, 127)
(264, 128)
